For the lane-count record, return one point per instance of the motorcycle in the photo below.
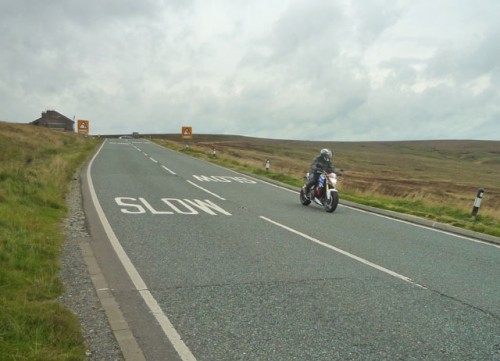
(324, 194)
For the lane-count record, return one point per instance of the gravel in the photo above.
(80, 295)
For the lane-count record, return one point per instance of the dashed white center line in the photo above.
(206, 190)
(350, 255)
(168, 170)
(165, 323)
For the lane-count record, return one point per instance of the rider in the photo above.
(323, 162)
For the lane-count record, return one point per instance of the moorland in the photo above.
(435, 179)
(36, 168)
(432, 179)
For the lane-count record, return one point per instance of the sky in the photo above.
(335, 70)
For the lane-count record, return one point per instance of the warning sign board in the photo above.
(187, 133)
(83, 126)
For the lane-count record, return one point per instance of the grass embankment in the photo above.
(437, 180)
(36, 167)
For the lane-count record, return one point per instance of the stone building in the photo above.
(54, 120)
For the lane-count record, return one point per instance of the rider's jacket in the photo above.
(319, 163)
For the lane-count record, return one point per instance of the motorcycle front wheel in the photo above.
(303, 199)
(332, 203)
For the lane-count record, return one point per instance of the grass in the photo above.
(36, 166)
(436, 212)
(437, 180)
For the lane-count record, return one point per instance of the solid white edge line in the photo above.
(376, 214)
(358, 209)
(167, 327)
(384, 216)
(338, 250)
(423, 226)
(205, 190)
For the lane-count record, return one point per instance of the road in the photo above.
(209, 264)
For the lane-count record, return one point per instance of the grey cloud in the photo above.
(149, 66)
(307, 27)
(468, 60)
(439, 112)
(371, 18)
(54, 12)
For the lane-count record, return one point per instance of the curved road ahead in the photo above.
(209, 264)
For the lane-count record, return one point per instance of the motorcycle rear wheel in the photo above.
(303, 199)
(332, 203)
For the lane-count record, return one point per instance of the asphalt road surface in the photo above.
(209, 264)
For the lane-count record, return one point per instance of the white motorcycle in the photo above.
(324, 194)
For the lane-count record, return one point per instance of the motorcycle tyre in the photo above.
(303, 200)
(331, 205)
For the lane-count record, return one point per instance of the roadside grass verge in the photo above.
(437, 212)
(416, 189)
(36, 167)
(279, 177)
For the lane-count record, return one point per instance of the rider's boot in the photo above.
(305, 191)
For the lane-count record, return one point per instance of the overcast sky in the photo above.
(346, 70)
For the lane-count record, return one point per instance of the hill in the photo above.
(433, 179)
(36, 166)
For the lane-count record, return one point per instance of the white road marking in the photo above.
(423, 226)
(223, 179)
(154, 160)
(167, 327)
(175, 206)
(257, 180)
(361, 210)
(168, 170)
(359, 259)
(388, 217)
(205, 190)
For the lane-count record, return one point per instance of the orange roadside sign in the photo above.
(83, 126)
(187, 133)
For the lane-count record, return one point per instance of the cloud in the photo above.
(297, 69)
(467, 60)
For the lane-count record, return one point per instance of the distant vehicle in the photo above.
(135, 134)
(125, 137)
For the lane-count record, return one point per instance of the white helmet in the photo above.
(327, 154)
